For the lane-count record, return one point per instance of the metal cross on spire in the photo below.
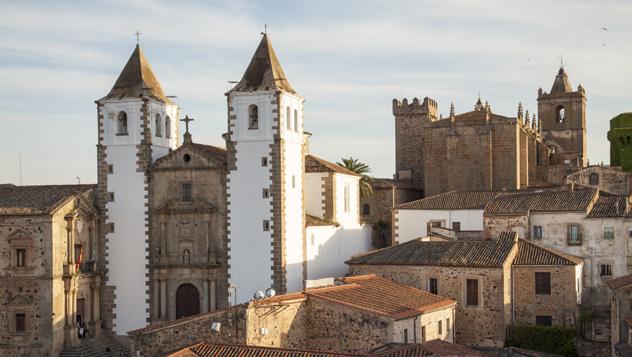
(187, 135)
(137, 34)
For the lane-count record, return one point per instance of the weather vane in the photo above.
(137, 34)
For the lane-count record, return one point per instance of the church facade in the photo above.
(187, 229)
(482, 150)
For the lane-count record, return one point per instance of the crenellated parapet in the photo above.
(428, 107)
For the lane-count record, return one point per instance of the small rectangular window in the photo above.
(605, 270)
(264, 161)
(423, 333)
(266, 193)
(293, 181)
(448, 327)
(20, 255)
(405, 335)
(608, 232)
(537, 232)
(471, 292)
(543, 283)
(347, 193)
(266, 225)
(543, 320)
(185, 192)
(439, 327)
(433, 286)
(573, 235)
(456, 226)
(20, 322)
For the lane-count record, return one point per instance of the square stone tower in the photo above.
(266, 162)
(562, 114)
(137, 124)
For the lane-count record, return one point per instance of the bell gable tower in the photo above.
(137, 124)
(562, 113)
(265, 181)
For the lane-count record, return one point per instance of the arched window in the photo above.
(593, 179)
(158, 126)
(366, 209)
(121, 123)
(296, 120)
(559, 116)
(253, 117)
(287, 118)
(167, 127)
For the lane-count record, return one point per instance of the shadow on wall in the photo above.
(329, 247)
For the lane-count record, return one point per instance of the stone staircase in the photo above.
(97, 347)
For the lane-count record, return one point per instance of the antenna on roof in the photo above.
(78, 180)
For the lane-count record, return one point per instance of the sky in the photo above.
(349, 59)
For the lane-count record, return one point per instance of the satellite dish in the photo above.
(259, 295)
(270, 292)
(216, 326)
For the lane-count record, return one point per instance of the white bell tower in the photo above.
(137, 125)
(265, 180)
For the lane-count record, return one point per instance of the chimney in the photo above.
(306, 137)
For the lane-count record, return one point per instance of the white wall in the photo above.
(348, 218)
(126, 246)
(328, 247)
(412, 223)
(314, 194)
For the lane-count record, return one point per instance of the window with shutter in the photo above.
(471, 292)
(543, 283)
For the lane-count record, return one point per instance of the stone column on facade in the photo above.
(163, 299)
(97, 302)
(213, 295)
(66, 308)
(156, 309)
(92, 304)
(205, 299)
(163, 238)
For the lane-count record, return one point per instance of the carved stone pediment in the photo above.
(20, 235)
(177, 206)
(19, 300)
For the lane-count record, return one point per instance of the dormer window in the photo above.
(253, 117)
(167, 127)
(559, 114)
(121, 123)
(158, 126)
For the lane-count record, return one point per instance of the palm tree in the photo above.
(362, 169)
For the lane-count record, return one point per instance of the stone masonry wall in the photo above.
(483, 325)
(561, 304)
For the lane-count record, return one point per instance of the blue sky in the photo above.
(349, 59)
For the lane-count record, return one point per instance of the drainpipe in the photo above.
(513, 305)
(415, 329)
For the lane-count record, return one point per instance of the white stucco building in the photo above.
(137, 125)
(270, 193)
(455, 210)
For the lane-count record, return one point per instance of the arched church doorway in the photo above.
(187, 301)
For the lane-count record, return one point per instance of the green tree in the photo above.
(362, 169)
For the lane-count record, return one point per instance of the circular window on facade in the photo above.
(186, 157)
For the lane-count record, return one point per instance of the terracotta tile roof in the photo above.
(285, 298)
(620, 282)
(33, 200)
(137, 80)
(315, 221)
(481, 253)
(400, 350)
(455, 200)
(610, 206)
(532, 254)
(385, 183)
(167, 324)
(264, 71)
(316, 164)
(230, 350)
(375, 295)
(545, 201)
